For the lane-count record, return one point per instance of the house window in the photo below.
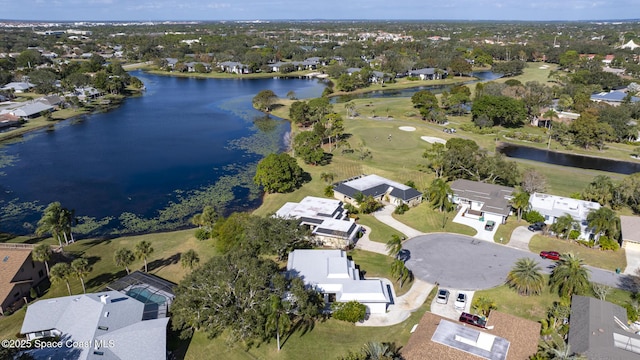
(332, 298)
(33, 265)
(40, 273)
(16, 294)
(546, 217)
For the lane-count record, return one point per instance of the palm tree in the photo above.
(484, 305)
(66, 222)
(526, 277)
(604, 220)
(440, 195)
(380, 351)
(61, 272)
(189, 259)
(394, 246)
(42, 253)
(278, 319)
(81, 268)
(124, 257)
(563, 225)
(520, 202)
(50, 221)
(569, 276)
(143, 250)
(400, 271)
(561, 351)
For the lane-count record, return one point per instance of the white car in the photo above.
(461, 301)
(443, 296)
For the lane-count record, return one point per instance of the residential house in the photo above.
(598, 330)
(191, 66)
(153, 291)
(630, 45)
(337, 278)
(28, 110)
(630, 228)
(171, 62)
(86, 93)
(379, 188)
(614, 98)
(8, 120)
(510, 338)
(552, 207)
(51, 100)
(428, 74)
(234, 67)
(108, 324)
(18, 274)
(482, 201)
(18, 87)
(327, 218)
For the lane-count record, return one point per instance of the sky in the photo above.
(151, 10)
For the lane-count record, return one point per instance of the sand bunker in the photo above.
(431, 139)
(407, 128)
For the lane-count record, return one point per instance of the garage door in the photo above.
(632, 250)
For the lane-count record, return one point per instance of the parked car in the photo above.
(461, 301)
(537, 226)
(443, 296)
(490, 225)
(551, 255)
(474, 320)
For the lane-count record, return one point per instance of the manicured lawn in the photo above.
(328, 340)
(504, 230)
(529, 307)
(373, 265)
(380, 232)
(164, 262)
(609, 260)
(425, 219)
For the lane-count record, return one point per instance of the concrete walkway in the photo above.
(385, 216)
(365, 244)
(520, 238)
(632, 251)
(402, 307)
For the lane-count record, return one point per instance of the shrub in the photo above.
(401, 209)
(351, 311)
(632, 312)
(533, 217)
(328, 191)
(587, 243)
(608, 244)
(202, 234)
(574, 234)
(369, 205)
(470, 127)
(351, 209)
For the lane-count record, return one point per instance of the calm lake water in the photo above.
(157, 158)
(579, 161)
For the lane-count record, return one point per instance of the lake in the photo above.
(151, 163)
(578, 161)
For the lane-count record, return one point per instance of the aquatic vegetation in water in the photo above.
(89, 225)
(15, 211)
(178, 213)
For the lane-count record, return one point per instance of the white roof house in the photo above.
(327, 219)
(106, 325)
(18, 87)
(552, 207)
(331, 272)
(377, 187)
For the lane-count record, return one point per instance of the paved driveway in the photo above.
(461, 262)
(520, 238)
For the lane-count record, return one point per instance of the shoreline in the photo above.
(565, 152)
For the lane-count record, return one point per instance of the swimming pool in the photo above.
(145, 296)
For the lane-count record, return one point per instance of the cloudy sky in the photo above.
(319, 9)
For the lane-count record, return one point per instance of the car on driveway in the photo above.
(443, 296)
(474, 320)
(551, 255)
(489, 225)
(537, 226)
(461, 301)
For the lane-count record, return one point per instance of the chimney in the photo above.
(103, 298)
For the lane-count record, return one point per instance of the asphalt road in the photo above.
(462, 262)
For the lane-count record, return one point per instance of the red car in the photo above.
(474, 320)
(551, 255)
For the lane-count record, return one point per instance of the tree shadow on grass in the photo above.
(161, 263)
(103, 279)
(177, 347)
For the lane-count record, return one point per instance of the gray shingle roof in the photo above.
(89, 317)
(592, 326)
(494, 197)
(375, 185)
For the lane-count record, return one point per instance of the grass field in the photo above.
(503, 234)
(425, 219)
(374, 265)
(379, 232)
(609, 260)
